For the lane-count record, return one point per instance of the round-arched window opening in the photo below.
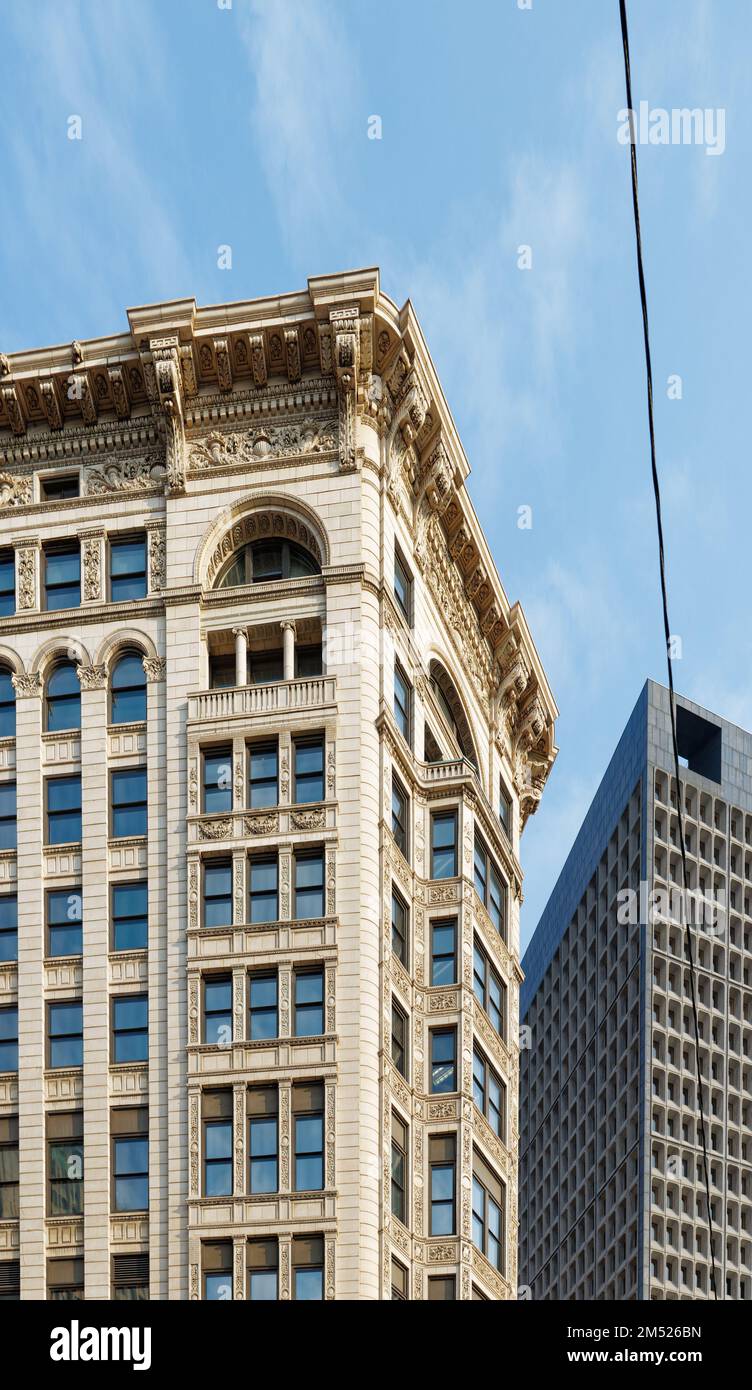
(7, 704)
(128, 690)
(261, 562)
(63, 703)
(450, 704)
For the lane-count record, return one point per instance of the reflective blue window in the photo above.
(443, 1060)
(309, 1003)
(263, 890)
(218, 1012)
(63, 703)
(128, 690)
(65, 922)
(218, 1158)
(62, 576)
(129, 803)
(309, 1153)
(66, 1035)
(128, 568)
(7, 704)
(444, 953)
(262, 1142)
(130, 1028)
(444, 845)
(7, 815)
(131, 1172)
(218, 780)
(263, 1007)
(7, 583)
(63, 810)
(130, 916)
(309, 770)
(9, 1039)
(218, 893)
(8, 926)
(263, 774)
(309, 885)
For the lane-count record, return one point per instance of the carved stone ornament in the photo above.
(254, 446)
(26, 574)
(157, 558)
(91, 569)
(92, 677)
(260, 526)
(261, 825)
(155, 667)
(131, 475)
(308, 820)
(14, 492)
(27, 684)
(215, 829)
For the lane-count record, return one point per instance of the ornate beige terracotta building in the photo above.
(274, 730)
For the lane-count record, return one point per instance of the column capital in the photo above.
(289, 625)
(240, 632)
(27, 683)
(92, 677)
(155, 667)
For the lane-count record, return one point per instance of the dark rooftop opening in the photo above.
(700, 743)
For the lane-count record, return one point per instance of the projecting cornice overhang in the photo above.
(340, 345)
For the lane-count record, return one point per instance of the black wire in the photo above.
(667, 628)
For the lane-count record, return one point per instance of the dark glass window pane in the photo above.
(218, 781)
(263, 1007)
(8, 927)
(309, 772)
(66, 1046)
(443, 1066)
(262, 1285)
(128, 569)
(444, 846)
(309, 1285)
(65, 922)
(130, 1016)
(263, 771)
(63, 699)
(402, 703)
(7, 704)
(309, 886)
(218, 895)
(309, 1003)
(263, 890)
(7, 583)
(443, 967)
(63, 578)
(128, 690)
(263, 1154)
(129, 796)
(130, 921)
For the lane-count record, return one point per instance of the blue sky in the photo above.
(248, 126)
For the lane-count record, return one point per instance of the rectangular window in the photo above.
(216, 1119)
(127, 568)
(441, 1289)
(130, 916)
(309, 661)
(9, 1039)
(309, 1003)
(63, 810)
(217, 1029)
(309, 770)
(505, 809)
(62, 575)
(7, 815)
(262, 1269)
(489, 887)
(399, 928)
(65, 1280)
(443, 1059)
(60, 489)
(308, 1115)
(399, 1168)
(8, 1168)
(308, 1268)
(489, 990)
(10, 1281)
(402, 703)
(129, 803)
(263, 1139)
(403, 585)
(263, 1008)
(444, 952)
(309, 885)
(217, 780)
(7, 583)
(218, 893)
(263, 890)
(130, 1278)
(444, 844)
(64, 922)
(8, 926)
(399, 1282)
(400, 817)
(216, 1265)
(221, 671)
(65, 1033)
(442, 1158)
(130, 1158)
(7, 704)
(65, 1164)
(489, 1094)
(399, 1039)
(488, 1213)
(130, 1028)
(263, 775)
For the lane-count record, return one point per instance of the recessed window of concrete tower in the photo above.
(59, 489)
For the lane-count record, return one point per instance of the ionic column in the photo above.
(241, 655)
(288, 649)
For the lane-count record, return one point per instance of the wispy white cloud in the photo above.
(305, 72)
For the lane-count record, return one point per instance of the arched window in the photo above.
(260, 562)
(63, 705)
(128, 690)
(450, 704)
(7, 704)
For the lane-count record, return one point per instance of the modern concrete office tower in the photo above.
(612, 1193)
(276, 730)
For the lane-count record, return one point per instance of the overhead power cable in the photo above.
(667, 629)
